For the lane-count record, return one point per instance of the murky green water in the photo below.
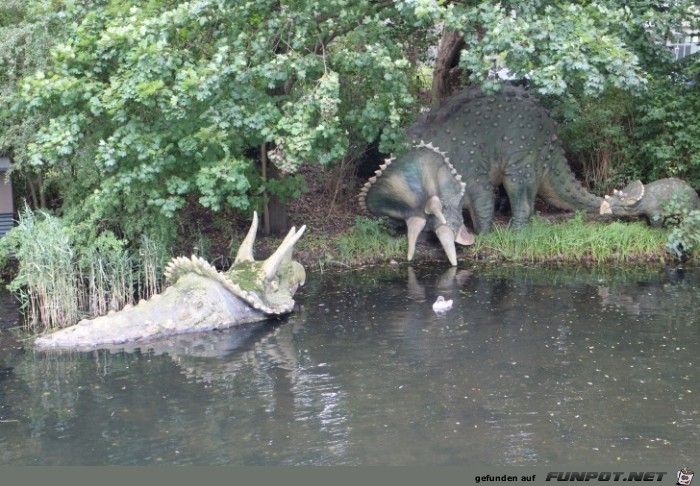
(531, 366)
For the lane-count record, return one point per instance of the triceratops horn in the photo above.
(245, 251)
(415, 226)
(447, 239)
(434, 207)
(272, 264)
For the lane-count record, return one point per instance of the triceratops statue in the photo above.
(199, 298)
(648, 200)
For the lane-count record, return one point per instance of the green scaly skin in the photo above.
(508, 139)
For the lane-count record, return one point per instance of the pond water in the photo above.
(531, 366)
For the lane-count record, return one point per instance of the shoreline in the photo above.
(321, 253)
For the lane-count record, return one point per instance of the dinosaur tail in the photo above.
(561, 189)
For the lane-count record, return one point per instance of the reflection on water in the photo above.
(532, 366)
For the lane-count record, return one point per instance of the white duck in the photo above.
(441, 305)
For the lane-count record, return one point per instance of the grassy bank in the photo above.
(573, 240)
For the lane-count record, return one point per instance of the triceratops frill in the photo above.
(198, 298)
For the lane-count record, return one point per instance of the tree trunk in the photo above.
(275, 219)
(446, 74)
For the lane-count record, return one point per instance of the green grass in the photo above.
(574, 240)
(368, 241)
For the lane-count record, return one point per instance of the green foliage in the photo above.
(559, 46)
(667, 126)
(138, 106)
(597, 134)
(684, 239)
(4, 255)
(119, 112)
(618, 136)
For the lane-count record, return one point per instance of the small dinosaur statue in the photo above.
(647, 201)
(198, 298)
(486, 141)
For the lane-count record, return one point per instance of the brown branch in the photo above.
(451, 45)
(266, 208)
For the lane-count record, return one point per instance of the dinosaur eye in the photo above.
(274, 285)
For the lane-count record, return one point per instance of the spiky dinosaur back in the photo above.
(506, 138)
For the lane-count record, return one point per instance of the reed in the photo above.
(107, 280)
(152, 261)
(46, 282)
(59, 284)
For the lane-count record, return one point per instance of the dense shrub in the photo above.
(620, 136)
(667, 127)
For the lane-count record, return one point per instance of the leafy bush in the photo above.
(596, 132)
(4, 254)
(131, 110)
(684, 239)
(667, 127)
(648, 135)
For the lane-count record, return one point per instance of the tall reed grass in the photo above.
(58, 283)
(46, 283)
